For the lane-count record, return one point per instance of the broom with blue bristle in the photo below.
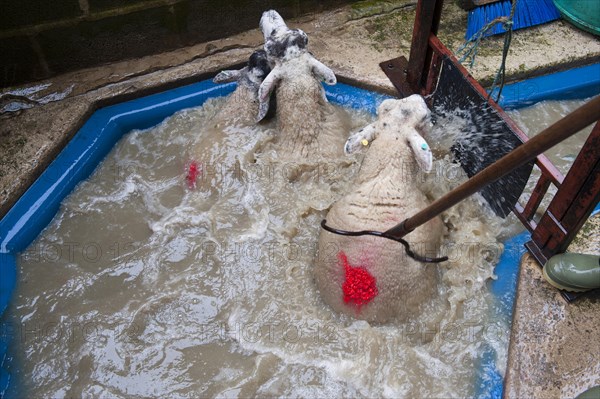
(527, 13)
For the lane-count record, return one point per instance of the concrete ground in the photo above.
(555, 346)
(554, 349)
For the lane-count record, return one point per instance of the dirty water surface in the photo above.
(141, 287)
(532, 120)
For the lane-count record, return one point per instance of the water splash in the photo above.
(152, 289)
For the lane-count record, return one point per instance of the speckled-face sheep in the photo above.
(308, 125)
(240, 110)
(368, 277)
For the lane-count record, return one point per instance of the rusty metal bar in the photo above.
(573, 203)
(537, 195)
(408, 75)
(395, 69)
(578, 193)
(530, 224)
(549, 170)
(435, 24)
(583, 165)
(424, 25)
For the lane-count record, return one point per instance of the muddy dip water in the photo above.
(532, 121)
(543, 114)
(140, 287)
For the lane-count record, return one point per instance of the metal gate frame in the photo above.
(577, 194)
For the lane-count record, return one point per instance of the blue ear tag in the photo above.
(424, 146)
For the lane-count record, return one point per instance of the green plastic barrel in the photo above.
(584, 14)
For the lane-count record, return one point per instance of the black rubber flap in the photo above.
(489, 137)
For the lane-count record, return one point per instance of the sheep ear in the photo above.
(264, 93)
(360, 139)
(322, 72)
(421, 151)
(228, 76)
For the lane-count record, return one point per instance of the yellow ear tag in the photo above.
(364, 142)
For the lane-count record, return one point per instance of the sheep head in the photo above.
(269, 21)
(283, 44)
(400, 120)
(252, 74)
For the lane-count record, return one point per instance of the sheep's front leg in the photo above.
(322, 72)
(229, 76)
(362, 138)
(265, 90)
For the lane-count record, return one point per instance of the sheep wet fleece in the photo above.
(369, 278)
(309, 128)
(239, 110)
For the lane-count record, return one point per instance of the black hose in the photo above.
(407, 249)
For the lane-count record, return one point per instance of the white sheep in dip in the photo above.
(308, 125)
(368, 277)
(210, 156)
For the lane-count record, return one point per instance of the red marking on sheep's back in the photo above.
(359, 287)
(192, 174)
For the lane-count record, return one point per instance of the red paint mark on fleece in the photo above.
(192, 174)
(360, 286)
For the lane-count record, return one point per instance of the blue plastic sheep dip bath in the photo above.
(119, 279)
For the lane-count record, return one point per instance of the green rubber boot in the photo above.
(592, 393)
(573, 272)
